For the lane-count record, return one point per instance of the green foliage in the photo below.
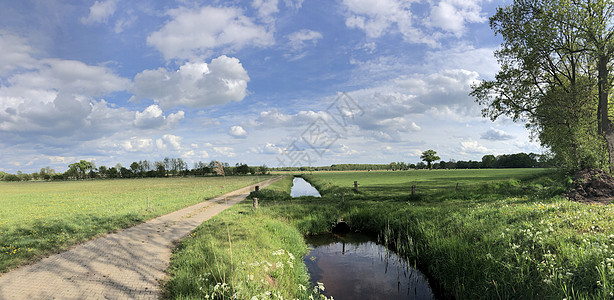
(554, 76)
(429, 156)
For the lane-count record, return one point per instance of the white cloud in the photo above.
(381, 17)
(153, 117)
(193, 33)
(298, 39)
(69, 76)
(237, 132)
(473, 147)
(195, 84)
(123, 23)
(266, 9)
(225, 151)
(451, 15)
(169, 141)
(16, 53)
(377, 18)
(462, 56)
(100, 12)
(274, 118)
(269, 148)
(496, 135)
(135, 144)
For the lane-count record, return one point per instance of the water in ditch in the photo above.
(354, 266)
(300, 187)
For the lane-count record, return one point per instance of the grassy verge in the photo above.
(242, 254)
(39, 218)
(501, 234)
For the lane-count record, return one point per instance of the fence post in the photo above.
(255, 202)
(355, 186)
(413, 190)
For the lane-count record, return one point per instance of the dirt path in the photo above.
(125, 265)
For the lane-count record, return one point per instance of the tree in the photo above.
(555, 76)
(429, 156)
(263, 169)
(488, 161)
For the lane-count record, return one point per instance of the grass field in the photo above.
(503, 234)
(38, 218)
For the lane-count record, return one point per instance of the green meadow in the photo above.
(40, 218)
(477, 234)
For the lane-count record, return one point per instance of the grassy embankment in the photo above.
(243, 254)
(39, 218)
(501, 234)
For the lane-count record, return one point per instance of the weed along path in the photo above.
(128, 264)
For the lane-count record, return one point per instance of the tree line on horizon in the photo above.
(518, 160)
(168, 167)
(173, 167)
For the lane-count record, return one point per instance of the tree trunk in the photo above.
(608, 133)
(605, 126)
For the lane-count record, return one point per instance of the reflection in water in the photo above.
(300, 187)
(353, 266)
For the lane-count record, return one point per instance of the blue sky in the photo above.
(116, 81)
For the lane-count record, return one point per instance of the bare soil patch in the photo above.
(592, 186)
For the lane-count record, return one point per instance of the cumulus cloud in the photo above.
(169, 141)
(378, 18)
(225, 151)
(269, 148)
(69, 76)
(65, 120)
(473, 147)
(153, 117)
(444, 87)
(237, 132)
(100, 12)
(135, 144)
(467, 57)
(193, 33)
(195, 84)
(496, 135)
(16, 53)
(451, 15)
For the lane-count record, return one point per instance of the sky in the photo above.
(275, 82)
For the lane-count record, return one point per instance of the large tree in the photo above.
(555, 75)
(429, 156)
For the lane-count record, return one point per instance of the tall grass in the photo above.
(264, 261)
(502, 234)
(496, 239)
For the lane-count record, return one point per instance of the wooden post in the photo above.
(413, 190)
(355, 186)
(255, 202)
